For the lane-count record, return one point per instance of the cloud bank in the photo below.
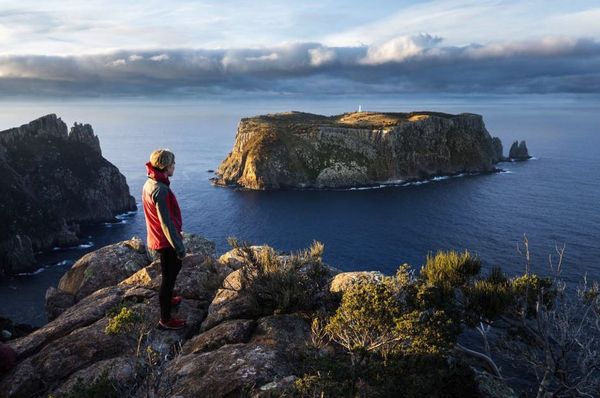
(406, 64)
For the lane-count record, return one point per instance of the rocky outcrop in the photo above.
(53, 180)
(301, 150)
(75, 349)
(227, 349)
(518, 151)
(121, 262)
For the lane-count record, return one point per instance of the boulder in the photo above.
(121, 372)
(345, 280)
(229, 332)
(57, 301)
(103, 267)
(230, 302)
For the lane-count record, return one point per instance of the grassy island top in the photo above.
(352, 119)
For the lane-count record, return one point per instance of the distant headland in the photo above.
(303, 150)
(54, 179)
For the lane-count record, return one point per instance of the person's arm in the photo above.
(174, 238)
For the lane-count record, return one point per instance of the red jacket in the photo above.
(163, 216)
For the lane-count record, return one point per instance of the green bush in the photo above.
(122, 319)
(366, 318)
(450, 269)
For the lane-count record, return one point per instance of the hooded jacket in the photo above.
(163, 216)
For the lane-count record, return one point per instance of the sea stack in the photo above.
(518, 151)
(303, 150)
(53, 180)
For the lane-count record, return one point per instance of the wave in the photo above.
(110, 224)
(37, 271)
(404, 183)
(125, 215)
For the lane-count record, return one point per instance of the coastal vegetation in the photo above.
(264, 323)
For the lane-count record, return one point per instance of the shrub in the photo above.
(122, 319)
(282, 284)
(366, 319)
(487, 300)
(450, 269)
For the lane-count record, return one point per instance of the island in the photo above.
(54, 179)
(303, 150)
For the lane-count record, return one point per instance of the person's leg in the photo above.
(170, 267)
(164, 297)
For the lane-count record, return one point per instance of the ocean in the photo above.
(553, 199)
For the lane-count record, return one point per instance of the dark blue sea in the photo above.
(553, 199)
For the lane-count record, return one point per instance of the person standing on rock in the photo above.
(163, 224)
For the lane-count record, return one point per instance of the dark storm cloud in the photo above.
(405, 64)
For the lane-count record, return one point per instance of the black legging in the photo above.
(169, 266)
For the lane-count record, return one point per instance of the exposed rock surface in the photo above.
(129, 261)
(227, 349)
(518, 151)
(301, 150)
(75, 349)
(52, 181)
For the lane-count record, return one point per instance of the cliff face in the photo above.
(300, 150)
(53, 180)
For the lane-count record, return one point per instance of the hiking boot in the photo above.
(172, 324)
(176, 300)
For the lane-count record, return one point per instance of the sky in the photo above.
(210, 48)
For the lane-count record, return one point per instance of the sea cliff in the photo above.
(53, 180)
(302, 150)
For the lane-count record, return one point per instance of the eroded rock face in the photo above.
(53, 180)
(300, 150)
